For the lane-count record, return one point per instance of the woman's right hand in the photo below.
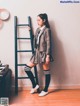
(47, 59)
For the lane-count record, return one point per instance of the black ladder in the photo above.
(17, 51)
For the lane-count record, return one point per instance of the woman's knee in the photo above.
(30, 64)
(46, 66)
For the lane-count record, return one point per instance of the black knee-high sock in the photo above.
(47, 80)
(30, 75)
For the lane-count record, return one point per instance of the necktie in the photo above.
(39, 31)
(38, 37)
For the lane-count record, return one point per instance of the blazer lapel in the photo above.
(42, 31)
(41, 34)
(35, 40)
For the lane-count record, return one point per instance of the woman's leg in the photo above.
(29, 73)
(46, 68)
(30, 64)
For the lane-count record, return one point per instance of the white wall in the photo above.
(65, 25)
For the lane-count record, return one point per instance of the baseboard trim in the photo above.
(50, 87)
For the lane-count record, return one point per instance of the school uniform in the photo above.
(42, 48)
(42, 45)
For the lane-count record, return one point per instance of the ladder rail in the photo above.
(32, 37)
(16, 57)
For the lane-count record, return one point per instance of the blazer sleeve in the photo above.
(48, 41)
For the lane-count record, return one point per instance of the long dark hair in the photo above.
(44, 17)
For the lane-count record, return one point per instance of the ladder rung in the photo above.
(24, 38)
(21, 64)
(22, 24)
(23, 77)
(24, 51)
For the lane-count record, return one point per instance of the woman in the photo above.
(42, 54)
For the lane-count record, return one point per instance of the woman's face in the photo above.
(40, 22)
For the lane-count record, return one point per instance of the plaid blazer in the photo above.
(44, 40)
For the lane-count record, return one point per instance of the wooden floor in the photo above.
(54, 98)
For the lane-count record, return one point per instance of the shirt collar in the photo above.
(41, 28)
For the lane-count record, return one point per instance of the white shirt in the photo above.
(41, 29)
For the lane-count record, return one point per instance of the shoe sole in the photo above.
(43, 95)
(34, 90)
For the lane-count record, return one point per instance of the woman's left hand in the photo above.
(47, 59)
(28, 28)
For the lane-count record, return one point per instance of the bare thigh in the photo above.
(46, 66)
(31, 64)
